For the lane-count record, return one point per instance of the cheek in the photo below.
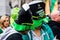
(52, 17)
(6, 23)
(57, 19)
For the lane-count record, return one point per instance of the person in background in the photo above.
(6, 21)
(54, 23)
(40, 30)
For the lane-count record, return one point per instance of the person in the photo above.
(21, 25)
(54, 23)
(39, 30)
(6, 25)
(6, 20)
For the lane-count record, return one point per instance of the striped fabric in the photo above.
(47, 7)
(53, 5)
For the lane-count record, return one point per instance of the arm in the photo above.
(15, 36)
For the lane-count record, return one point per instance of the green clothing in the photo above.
(1, 31)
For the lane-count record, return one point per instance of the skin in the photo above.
(6, 22)
(55, 16)
(37, 31)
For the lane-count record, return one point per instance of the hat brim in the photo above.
(21, 27)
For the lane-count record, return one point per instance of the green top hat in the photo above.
(38, 13)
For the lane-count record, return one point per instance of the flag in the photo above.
(47, 7)
(53, 5)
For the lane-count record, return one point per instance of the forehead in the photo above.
(7, 18)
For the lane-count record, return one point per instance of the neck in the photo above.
(37, 32)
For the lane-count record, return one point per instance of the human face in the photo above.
(55, 17)
(6, 22)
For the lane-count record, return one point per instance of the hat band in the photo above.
(27, 23)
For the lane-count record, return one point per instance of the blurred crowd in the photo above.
(30, 23)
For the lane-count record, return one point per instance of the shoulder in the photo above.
(15, 36)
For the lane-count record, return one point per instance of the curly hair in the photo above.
(3, 18)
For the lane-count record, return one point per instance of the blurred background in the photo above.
(6, 5)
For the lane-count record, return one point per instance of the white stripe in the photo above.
(48, 36)
(34, 2)
(12, 32)
(29, 35)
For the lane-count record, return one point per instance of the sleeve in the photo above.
(15, 36)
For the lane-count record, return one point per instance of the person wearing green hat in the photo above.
(21, 25)
(40, 30)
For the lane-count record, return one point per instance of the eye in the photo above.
(6, 20)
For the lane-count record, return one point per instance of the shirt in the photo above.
(35, 37)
